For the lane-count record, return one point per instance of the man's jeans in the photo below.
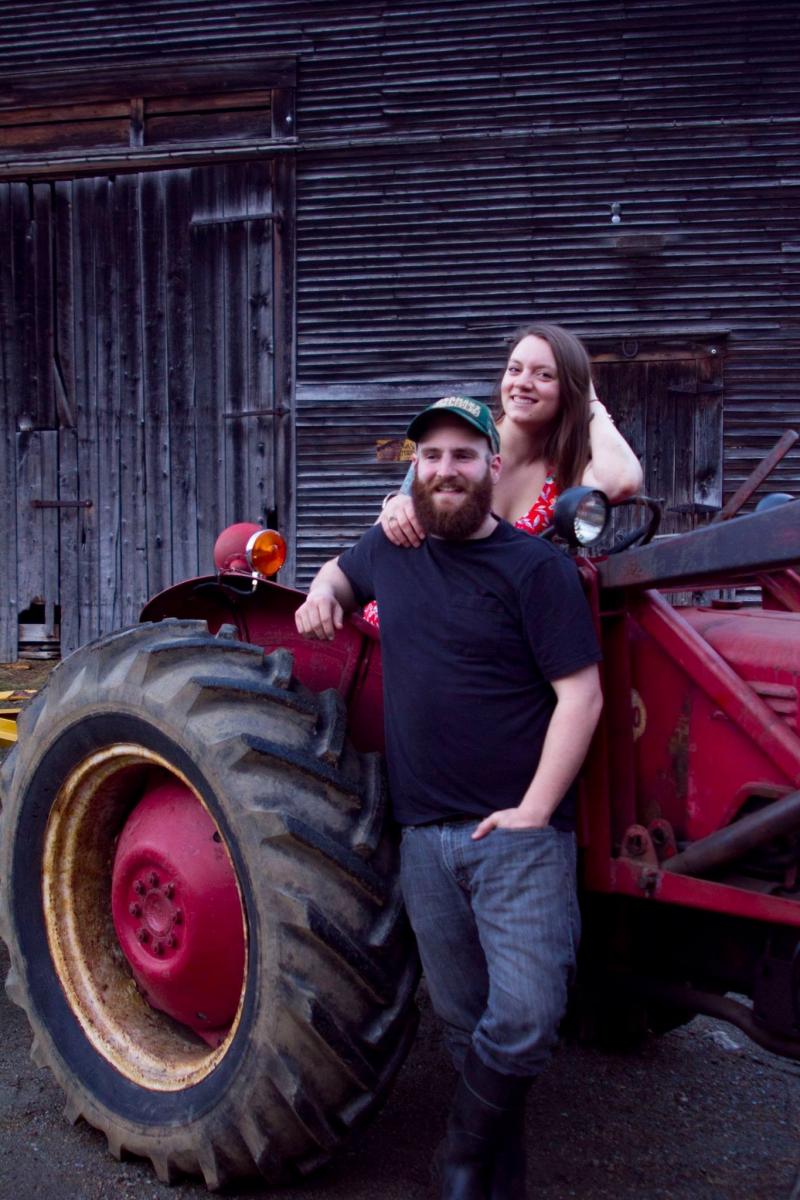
(497, 924)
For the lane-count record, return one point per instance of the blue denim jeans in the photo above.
(497, 924)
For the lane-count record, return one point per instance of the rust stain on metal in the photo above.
(678, 748)
(394, 450)
(86, 817)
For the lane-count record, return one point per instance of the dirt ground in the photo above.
(24, 674)
(22, 677)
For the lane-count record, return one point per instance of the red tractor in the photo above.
(197, 882)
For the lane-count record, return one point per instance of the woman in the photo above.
(554, 433)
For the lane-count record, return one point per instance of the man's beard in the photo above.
(458, 523)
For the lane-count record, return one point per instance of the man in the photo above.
(491, 696)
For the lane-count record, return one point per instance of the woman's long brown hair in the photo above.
(567, 445)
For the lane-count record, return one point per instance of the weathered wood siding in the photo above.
(458, 166)
(156, 299)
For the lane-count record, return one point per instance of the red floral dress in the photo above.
(540, 514)
(535, 520)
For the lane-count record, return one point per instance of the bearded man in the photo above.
(491, 696)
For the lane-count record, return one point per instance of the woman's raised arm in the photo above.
(613, 467)
(397, 517)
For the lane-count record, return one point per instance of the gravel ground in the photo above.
(700, 1113)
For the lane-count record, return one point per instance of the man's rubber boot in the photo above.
(510, 1166)
(486, 1103)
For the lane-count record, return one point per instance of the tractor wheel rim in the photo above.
(91, 806)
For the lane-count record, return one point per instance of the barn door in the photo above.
(138, 362)
(232, 280)
(668, 403)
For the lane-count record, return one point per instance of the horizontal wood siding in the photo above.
(140, 122)
(341, 476)
(459, 165)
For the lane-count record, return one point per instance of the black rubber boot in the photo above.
(510, 1167)
(485, 1110)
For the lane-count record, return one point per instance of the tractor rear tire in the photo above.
(326, 1014)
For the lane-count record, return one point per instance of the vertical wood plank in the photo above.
(208, 311)
(260, 438)
(85, 310)
(68, 537)
(107, 401)
(132, 524)
(64, 324)
(285, 326)
(23, 307)
(37, 528)
(9, 390)
(43, 304)
(50, 520)
(65, 403)
(156, 414)
(30, 522)
(180, 375)
(660, 433)
(708, 433)
(622, 386)
(684, 400)
(237, 501)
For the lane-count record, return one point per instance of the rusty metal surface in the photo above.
(732, 550)
(726, 845)
(656, 885)
(757, 476)
(781, 590)
(113, 1015)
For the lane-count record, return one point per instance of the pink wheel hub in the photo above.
(177, 911)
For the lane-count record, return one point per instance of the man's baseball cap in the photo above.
(474, 412)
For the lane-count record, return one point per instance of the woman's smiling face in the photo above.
(529, 390)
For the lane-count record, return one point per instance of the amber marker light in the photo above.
(266, 552)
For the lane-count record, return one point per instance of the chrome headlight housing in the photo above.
(581, 515)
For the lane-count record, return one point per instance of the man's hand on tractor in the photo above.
(320, 615)
(329, 598)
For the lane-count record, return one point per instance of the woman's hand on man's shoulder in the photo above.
(399, 521)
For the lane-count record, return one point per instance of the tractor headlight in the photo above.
(581, 515)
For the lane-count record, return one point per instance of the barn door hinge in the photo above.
(700, 389)
(61, 503)
(695, 509)
(242, 219)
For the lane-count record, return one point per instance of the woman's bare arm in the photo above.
(613, 467)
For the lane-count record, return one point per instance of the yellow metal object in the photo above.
(10, 704)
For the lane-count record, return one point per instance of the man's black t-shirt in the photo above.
(471, 634)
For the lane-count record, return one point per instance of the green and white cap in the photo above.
(474, 412)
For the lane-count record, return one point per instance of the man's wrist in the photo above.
(536, 813)
(321, 589)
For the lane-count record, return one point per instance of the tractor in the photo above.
(197, 865)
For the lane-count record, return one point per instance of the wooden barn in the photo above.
(240, 244)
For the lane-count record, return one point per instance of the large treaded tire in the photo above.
(327, 1013)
